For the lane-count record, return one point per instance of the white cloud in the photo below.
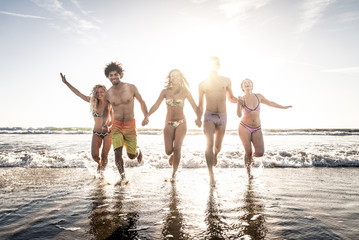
(76, 3)
(343, 70)
(74, 22)
(320, 68)
(198, 1)
(349, 17)
(313, 12)
(232, 8)
(21, 15)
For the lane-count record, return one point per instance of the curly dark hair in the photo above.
(114, 66)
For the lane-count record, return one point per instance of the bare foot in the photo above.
(251, 162)
(139, 156)
(122, 182)
(103, 164)
(215, 160)
(99, 167)
(212, 182)
(170, 161)
(123, 177)
(103, 167)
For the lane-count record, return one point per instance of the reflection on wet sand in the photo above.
(227, 214)
(173, 225)
(216, 227)
(252, 221)
(109, 219)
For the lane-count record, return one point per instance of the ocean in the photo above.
(305, 187)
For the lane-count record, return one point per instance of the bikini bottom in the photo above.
(252, 130)
(101, 134)
(175, 124)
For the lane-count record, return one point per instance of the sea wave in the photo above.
(146, 131)
(315, 132)
(46, 130)
(196, 159)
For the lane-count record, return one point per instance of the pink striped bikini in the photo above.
(248, 110)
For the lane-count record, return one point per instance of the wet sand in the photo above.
(279, 203)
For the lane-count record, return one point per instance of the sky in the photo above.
(303, 53)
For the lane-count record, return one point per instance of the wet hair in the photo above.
(243, 82)
(114, 66)
(93, 98)
(169, 82)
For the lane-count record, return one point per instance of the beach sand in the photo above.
(279, 203)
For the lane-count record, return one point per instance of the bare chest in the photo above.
(121, 97)
(215, 89)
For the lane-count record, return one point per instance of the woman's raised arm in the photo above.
(74, 90)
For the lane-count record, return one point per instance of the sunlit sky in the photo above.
(300, 53)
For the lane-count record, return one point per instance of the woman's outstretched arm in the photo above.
(271, 103)
(74, 90)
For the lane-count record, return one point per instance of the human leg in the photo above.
(258, 143)
(105, 150)
(117, 139)
(169, 136)
(219, 135)
(209, 129)
(137, 155)
(130, 140)
(246, 138)
(95, 150)
(180, 133)
(119, 161)
(130, 154)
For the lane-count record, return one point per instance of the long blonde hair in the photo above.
(93, 99)
(169, 82)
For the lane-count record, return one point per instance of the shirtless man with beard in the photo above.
(123, 133)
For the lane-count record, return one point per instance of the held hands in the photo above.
(105, 128)
(145, 121)
(240, 100)
(198, 122)
(63, 78)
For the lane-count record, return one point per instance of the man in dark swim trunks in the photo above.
(121, 96)
(215, 88)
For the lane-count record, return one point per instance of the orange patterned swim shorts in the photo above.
(124, 134)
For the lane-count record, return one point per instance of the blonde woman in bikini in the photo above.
(175, 93)
(98, 137)
(249, 129)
